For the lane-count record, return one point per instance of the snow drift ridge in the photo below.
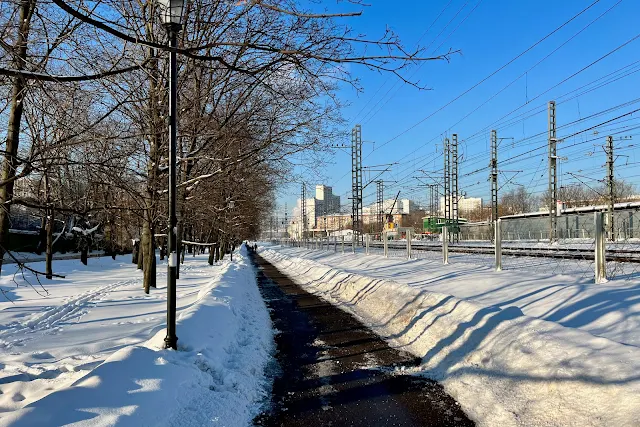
(505, 368)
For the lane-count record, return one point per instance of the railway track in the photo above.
(583, 254)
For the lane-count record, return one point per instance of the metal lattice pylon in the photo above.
(553, 174)
(356, 182)
(454, 183)
(494, 176)
(447, 183)
(380, 204)
(610, 188)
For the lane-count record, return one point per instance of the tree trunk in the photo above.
(155, 131)
(10, 163)
(42, 235)
(49, 255)
(140, 260)
(135, 252)
(211, 255)
(153, 278)
(149, 255)
(84, 250)
(179, 233)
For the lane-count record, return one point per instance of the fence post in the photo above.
(386, 245)
(353, 243)
(601, 264)
(367, 237)
(409, 244)
(343, 243)
(498, 244)
(445, 245)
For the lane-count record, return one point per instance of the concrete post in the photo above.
(386, 245)
(498, 244)
(367, 238)
(601, 263)
(343, 244)
(445, 245)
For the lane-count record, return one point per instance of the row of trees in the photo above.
(83, 87)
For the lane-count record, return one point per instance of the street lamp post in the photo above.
(171, 12)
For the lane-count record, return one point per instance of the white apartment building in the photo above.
(402, 206)
(465, 205)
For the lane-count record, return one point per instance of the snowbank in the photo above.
(505, 368)
(216, 377)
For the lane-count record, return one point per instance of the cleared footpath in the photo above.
(334, 371)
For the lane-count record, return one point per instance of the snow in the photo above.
(515, 348)
(91, 352)
(28, 257)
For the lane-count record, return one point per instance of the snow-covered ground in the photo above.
(32, 257)
(90, 352)
(524, 347)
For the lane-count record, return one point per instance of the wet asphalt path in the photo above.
(336, 372)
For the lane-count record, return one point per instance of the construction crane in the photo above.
(389, 224)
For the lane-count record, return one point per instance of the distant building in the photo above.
(324, 203)
(466, 205)
(336, 223)
(402, 206)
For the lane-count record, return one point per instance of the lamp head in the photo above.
(171, 12)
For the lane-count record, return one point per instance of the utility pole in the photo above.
(356, 182)
(303, 210)
(380, 204)
(447, 176)
(553, 174)
(610, 186)
(454, 183)
(494, 176)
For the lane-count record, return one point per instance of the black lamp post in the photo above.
(171, 13)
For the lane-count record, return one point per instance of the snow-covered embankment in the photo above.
(505, 368)
(216, 377)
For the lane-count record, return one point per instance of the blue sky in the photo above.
(489, 34)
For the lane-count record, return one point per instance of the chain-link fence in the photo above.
(480, 233)
(427, 247)
(526, 244)
(623, 244)
(376, 244)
